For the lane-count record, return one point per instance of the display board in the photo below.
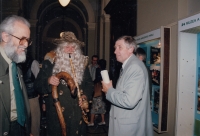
(197, 94)
(188, 87)
(156, 44)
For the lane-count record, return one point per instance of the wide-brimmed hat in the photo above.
(68, 37)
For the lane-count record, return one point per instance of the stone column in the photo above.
(91, 45)
(33, 23)
(85, 49)
(105, 48)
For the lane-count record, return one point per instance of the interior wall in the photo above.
(193, 6)
(152, 14)
(182, 9)
(187, 8)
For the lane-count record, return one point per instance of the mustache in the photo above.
(11, 53)
(22, 47)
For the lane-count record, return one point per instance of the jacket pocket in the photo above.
(132, 120)
(4, 82)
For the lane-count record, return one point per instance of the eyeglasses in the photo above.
(23, 40)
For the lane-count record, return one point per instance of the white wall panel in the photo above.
(187, 57)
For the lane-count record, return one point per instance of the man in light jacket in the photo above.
(130, 113)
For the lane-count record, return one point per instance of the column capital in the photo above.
(91, 26)
(105, 17)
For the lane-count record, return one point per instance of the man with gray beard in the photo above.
(14, 105)
(67, 58)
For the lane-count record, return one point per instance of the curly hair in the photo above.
(62, 62)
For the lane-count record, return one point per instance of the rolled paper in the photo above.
(105, 77)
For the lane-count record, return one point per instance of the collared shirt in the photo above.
(123, 65)
(13, 114)
(35, 68)
(92, 69)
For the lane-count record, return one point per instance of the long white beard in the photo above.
(63, 64)
(11, 53)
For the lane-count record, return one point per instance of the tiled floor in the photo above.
(99, 131)
(96, 130)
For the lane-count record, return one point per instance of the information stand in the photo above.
(157, 47)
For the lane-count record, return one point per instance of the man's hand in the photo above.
(106, 86)
(53, 80)
(83, 98)
(83, 103)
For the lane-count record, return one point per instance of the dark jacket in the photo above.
(5, 98)
(71, 110)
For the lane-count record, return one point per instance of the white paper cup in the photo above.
(105, 77)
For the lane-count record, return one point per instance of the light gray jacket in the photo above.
(130, 113)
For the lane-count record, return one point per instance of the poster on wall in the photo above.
(155, 74)
(155, 55)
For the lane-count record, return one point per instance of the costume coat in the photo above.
(5, 102)
(71, 110)
(130, 113)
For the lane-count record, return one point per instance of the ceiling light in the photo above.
(64, 2)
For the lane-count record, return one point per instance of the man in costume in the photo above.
(69, 47)
(14, 105)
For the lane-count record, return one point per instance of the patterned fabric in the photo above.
(98, 106)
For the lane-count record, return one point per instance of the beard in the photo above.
(62, 63)
(11, 52)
